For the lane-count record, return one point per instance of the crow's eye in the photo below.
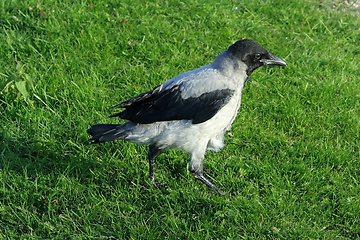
(258, 56)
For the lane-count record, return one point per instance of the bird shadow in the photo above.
(31, 159)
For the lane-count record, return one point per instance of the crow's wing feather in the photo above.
(196, 99)
(139, 99)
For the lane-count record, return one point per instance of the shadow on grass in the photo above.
(35, 158)
(110, 165)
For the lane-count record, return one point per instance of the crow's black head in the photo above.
(254, 55)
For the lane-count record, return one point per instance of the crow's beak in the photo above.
(273, 60)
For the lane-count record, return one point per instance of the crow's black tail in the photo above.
(107, 132)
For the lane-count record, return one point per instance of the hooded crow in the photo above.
(191, 111)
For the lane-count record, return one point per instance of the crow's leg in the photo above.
(153, 153)
(196, 169)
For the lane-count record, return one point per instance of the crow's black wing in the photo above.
(167, 105)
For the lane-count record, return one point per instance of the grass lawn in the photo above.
(291, 164)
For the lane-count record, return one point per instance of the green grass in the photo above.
(290, 167)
